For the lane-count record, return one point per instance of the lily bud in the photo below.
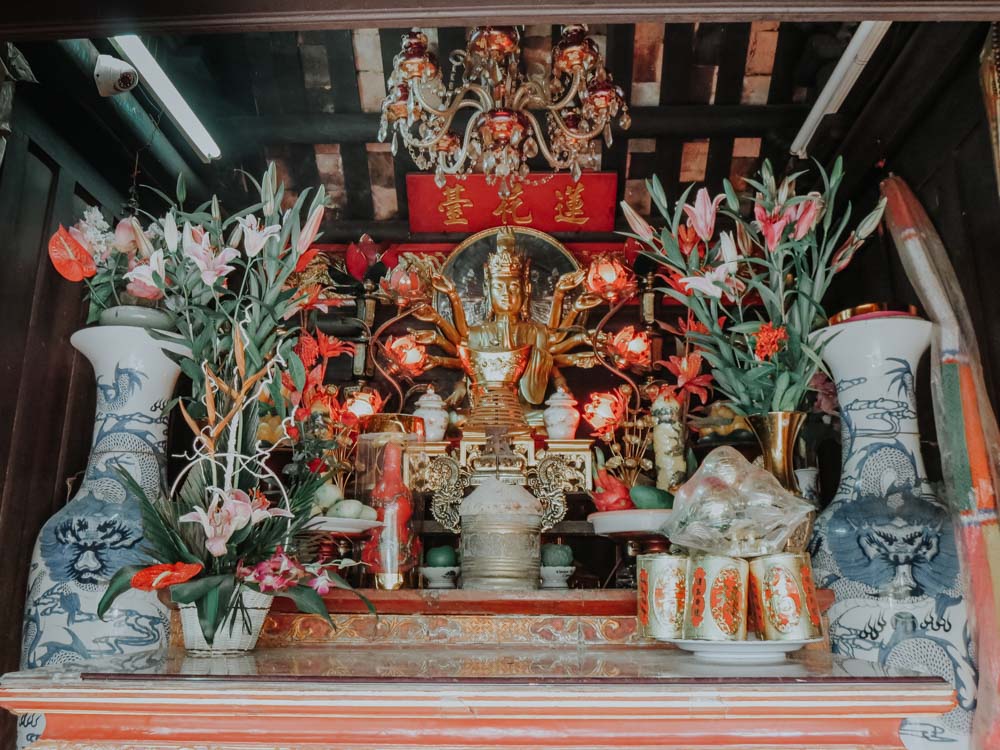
(170, 235)
(216, 211)
(871, 221)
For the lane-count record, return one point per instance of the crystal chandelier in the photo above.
(578, 99)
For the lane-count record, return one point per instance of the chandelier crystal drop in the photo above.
(503, 104)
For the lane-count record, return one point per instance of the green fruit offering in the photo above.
(651, 498)
(440, 557)
(347, 509)
(557, 555)
(327, 495)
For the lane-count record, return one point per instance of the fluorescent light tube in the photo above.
(167, 95)
(842, 80)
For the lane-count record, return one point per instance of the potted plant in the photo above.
(227, 532)
(755, 292)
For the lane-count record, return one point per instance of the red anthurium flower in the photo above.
(69, 257)
(157, 577)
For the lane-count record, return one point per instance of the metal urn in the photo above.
(501, 538)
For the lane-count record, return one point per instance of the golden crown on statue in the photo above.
(506, 262)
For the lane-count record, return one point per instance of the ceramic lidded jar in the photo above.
(561, 416)
(431, 408)
(501, 538)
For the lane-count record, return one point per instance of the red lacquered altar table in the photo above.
(458, 670)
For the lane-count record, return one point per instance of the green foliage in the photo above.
(780, 282)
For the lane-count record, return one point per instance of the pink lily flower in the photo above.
(701, 216)
(228, 513)
(723, 277)
(805, 215)
(130, 239)
(261, 510)
(772, 225)
(213, 267)
(254, 235)
(309, 230)
(141, 282)
(638, 224)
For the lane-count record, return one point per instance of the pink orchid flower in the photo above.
(254, 235)
(772, 225)
(141, 281)
(228, 513)
(321, 583)
(701, 216)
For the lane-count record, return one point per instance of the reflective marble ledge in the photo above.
(378, 697)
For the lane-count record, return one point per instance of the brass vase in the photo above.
(777, 433)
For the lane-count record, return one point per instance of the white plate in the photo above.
(626, 521)
(341, 525)
(742, 652)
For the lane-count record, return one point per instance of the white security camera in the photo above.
(114, 76)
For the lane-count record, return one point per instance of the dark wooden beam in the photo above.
(337, 231)
(694, 120)
(912, 85)
(70, 18)
(620, 55)
(728, 90)
(347, 99)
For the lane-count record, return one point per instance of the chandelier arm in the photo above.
(443, 129)
(574, 89)
(463, 155)
(459, 101)
(542, 145)
(580, 135)
(530, 89)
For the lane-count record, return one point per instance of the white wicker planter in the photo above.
(232, 636)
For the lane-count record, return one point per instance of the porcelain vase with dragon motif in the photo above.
(100, 529)
(886, 545)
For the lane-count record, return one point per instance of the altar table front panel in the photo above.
(403, 698)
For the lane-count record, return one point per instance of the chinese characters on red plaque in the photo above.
(553, 203)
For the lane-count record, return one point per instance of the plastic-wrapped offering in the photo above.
(731, 507)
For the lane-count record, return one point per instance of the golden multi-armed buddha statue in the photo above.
(509, 352)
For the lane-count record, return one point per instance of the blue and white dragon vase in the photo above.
(100, 529)
(886, 545)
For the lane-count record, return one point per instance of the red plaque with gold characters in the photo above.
(549, 202)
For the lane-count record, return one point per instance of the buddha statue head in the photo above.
(506, 282)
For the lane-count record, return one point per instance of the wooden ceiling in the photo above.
(709, 100)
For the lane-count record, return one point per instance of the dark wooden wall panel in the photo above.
(944, 153)
(46, 388)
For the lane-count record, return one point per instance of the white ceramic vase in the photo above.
(100, 529)
(886, 545)
(236, 635)
(561, 416)
(431, 408)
